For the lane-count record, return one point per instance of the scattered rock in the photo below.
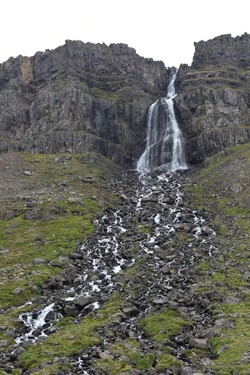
(39, 261)
(27, 173)
(18, 290)
(198, 343)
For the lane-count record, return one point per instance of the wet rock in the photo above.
(51, 316)
(83, 301)
(70, 310)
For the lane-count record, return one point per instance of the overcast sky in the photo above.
(162, 29)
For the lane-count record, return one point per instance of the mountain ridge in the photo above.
(105, 271)
(92, 97)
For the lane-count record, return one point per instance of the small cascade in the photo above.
(146, 252)
(165, 145)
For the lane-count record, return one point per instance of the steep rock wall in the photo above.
(213, 102)
(223, 50)
(79, 97)
(93, 97)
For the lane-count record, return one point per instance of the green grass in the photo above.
(127, 356)
(161, 326)
(51, 214)
(227, 271)
(71, 338)
(168, 362)
(62, 215)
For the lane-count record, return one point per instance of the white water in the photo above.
(165, 146)
(32, 324)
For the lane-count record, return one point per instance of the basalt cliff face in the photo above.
(92, 97)
(77, 98)
(213, 104)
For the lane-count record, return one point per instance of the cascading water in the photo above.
(165, 146)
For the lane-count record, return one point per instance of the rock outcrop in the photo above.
(93, 97)
(223, 50)
(213, 102)
(79, 97)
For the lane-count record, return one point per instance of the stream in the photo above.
(176, 240)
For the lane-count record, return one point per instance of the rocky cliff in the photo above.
(92, 97)
(79, 97)
(213, 104)
(223, 50)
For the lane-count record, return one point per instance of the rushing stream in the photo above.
(154, 201)
(157, 203)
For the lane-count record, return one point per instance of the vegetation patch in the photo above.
(221, 190)
(161, 326)
(71, 338)
(168, 362)
(48, 206)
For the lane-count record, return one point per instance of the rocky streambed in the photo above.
(146, 253)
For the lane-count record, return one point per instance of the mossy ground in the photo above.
(221, 190)
(127, 355)
(48, 203)
(71, 338)
(49, 211)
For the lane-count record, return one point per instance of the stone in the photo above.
(223, 50)
(130, 311)
(160, 301)
(198, 343)
(83, 301)
(118, 318)
(187, 370)
(51, 316)
(70, 310)
(27, 173)
(18, 290)
(4, 343)
(39, 261)
(106, 355)
(236, 188)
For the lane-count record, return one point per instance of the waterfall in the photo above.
(164, 147)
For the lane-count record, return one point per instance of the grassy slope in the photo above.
(47, 210)
(66, 205)
(53, 226)
(222, 190)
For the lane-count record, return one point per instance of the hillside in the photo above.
(105, 271)
(38, 202)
